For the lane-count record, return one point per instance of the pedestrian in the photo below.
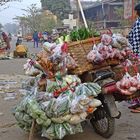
(36, 39)
(19, 40)
(6, 40)
(134, 40)
(45, 37)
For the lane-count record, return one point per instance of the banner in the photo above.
(128, 9)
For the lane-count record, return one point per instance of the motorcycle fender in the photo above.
(110, 106)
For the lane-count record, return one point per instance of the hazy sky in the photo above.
(6, 15)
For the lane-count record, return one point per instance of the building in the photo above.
(85, 4)
(103, 13)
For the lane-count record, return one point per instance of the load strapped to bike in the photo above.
(78, 81)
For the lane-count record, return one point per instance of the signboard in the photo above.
(128, 9)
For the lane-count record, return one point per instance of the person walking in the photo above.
(6, 40)
(36, 39)
(134, 40)
(45, 37)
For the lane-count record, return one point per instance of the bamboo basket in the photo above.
(113, 62)
(79, 51)
(119, 71)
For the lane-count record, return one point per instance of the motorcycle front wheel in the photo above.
(103, 123)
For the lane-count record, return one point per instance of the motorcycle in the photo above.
(103, 119)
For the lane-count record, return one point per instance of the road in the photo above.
(127, 127)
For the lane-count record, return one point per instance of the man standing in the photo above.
(134, 35)
(6, 40)
(134, 40)
(36, 39)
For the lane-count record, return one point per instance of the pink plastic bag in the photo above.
(106, 39)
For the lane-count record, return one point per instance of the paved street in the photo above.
(127, 127)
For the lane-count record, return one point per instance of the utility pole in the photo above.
(82, 12)
(78, 16)
(103, 10)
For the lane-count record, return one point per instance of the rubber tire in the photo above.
(110, 129)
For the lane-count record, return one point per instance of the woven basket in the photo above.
(119, 72)
(79, 51)
(113, 62)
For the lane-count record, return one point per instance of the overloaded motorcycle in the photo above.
(103, 119)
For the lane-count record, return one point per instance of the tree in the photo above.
(61, 8)
(35, 19)
(3, 2)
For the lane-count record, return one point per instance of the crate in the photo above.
(79, 51)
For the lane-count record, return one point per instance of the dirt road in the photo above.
(127, 127)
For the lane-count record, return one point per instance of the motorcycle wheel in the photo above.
(103, 123)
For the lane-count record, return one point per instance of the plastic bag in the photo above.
(79, 104)
(102, 48)
(95, 103)
(62, 119)
(128, 85)
(61, 106)
(75, 119)
(72, 79)
(88, 89)
(91, 56)
(116, 44)
(122, 40)
(58, 131)
(49, 46)
(99, 58)
(106, 39)
(70, 62)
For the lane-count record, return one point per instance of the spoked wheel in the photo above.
(103, 124)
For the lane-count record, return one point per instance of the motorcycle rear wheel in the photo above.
(103, 123)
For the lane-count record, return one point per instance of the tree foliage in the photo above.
(61, 8)
(35, 19)
(3, 2)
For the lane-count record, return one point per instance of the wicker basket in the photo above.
(119, 72)
(113, 62)
(79, 51)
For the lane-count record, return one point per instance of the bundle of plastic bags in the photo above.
(57, 117)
